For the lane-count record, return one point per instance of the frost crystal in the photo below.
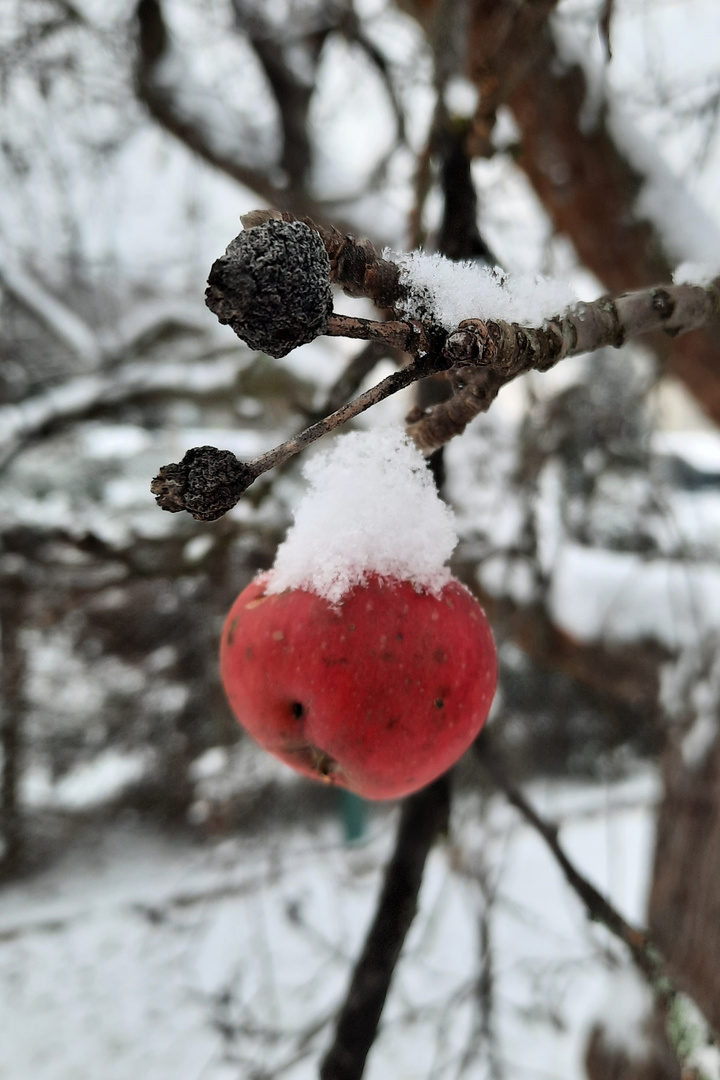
(452, 291)
(371, 508)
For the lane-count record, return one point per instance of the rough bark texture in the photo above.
(684, 914)
(502, 351)
(589, 190)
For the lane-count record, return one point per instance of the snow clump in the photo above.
(452, 291)
(371, 508)
(627, 1008)
(696, 273)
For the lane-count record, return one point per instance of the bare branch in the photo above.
(209, 482)
(65, 324)
(590, 193)
(499, 352)
(485, 355)
(348, 382)
(163, 103)
(424, 816)
(645, 954)
(82, 397)
(292, 94)
(352, 29)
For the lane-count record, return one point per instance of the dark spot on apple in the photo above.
(439, 703)
(297, 710)
(387, 656)
(249, 652)
(231, 631)
(398, 637)
(440, 656)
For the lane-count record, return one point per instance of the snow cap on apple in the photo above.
(358, 659)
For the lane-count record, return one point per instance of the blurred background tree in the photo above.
(578, 139)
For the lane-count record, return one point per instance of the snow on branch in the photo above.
(689, 1032)
(79, 398)
(60, 320)
(276, 266)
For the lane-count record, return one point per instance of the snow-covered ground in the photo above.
(139, 954)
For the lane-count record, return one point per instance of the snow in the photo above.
(461, 97)
(701, 449)
(619, 597)
(700, 739)
(453, 291)
(163, 958)
(688, 233)
(371, 508)
(90, 784)
(661, 58)
(628, 1004)
(689, 273)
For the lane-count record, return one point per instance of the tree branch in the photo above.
(590, 189)
(65, 324)
(510, 350)
(163, 103)
(484, 354)
(424, 816)
(645, 955)
(82, 397)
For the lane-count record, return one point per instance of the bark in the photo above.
(589, 190)
(684, 912)
(424, 817)
(12, 673)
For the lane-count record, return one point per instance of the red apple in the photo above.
(379, 694)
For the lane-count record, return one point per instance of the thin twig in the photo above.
(645, 954)
(208, 482)
(347, 384)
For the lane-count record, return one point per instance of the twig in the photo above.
(164, 102)
(347, 384)
(65, 324)
(645, 954)
(487, 354)
(423, 818)
(209, 482)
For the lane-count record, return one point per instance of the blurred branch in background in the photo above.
(219, 911)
